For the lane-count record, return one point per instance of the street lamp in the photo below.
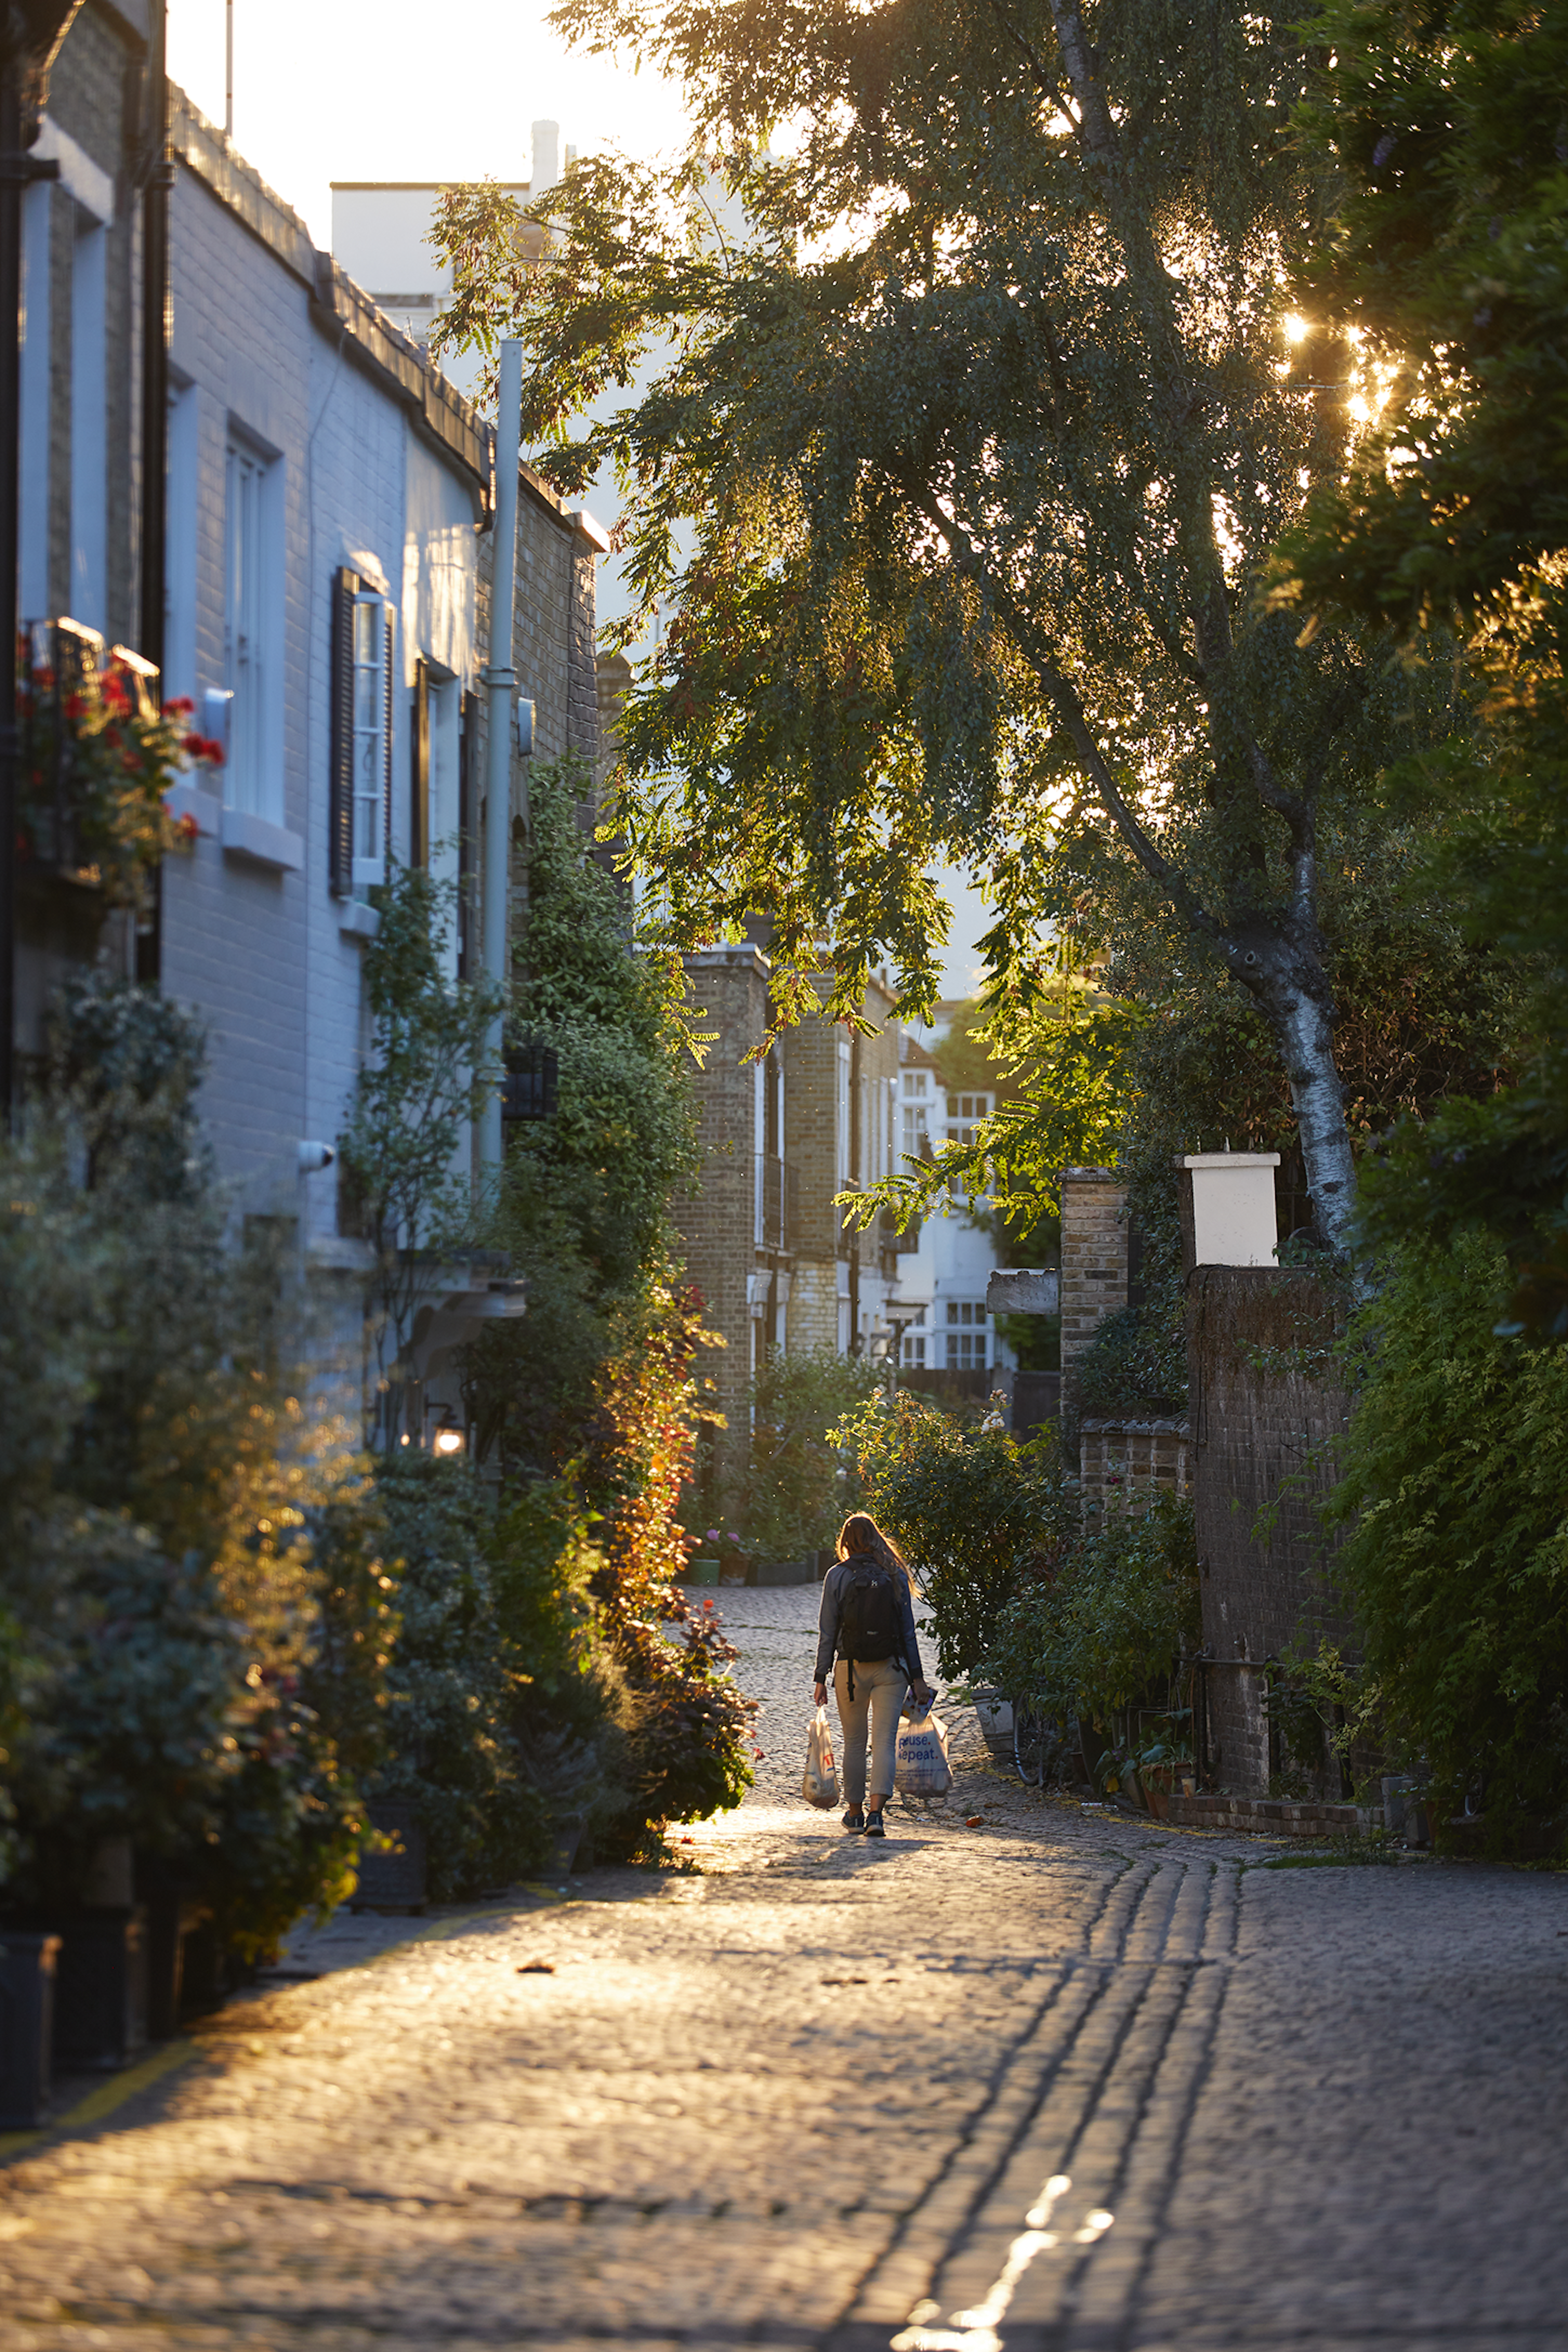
(31, 32)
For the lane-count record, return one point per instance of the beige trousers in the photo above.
(880, 1686)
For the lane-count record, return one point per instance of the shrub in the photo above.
(501, 1715)
(978, 1514)
(1455, 1550)
(1110, 1624)
(158, 1473)
(688, 1725)
(800, 1485)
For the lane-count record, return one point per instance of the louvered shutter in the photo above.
(340, 785)
(387, 740)
(467, 825)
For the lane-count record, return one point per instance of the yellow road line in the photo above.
(113, 2093)
(101, 2102)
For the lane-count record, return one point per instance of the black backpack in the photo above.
(868, 1611)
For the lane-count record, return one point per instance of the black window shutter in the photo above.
(468, 750)
(387, 743)
(341, 796)
(418, 799)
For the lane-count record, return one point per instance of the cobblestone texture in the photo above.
(809, 2096)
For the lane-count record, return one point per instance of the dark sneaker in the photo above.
(854, 1819)
(874, 1827)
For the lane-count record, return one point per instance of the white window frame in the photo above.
(253, 773)
(841, 1122)
(967, 1329)
(372, 726)
(90, 424)
(37, 216)
(180, 541)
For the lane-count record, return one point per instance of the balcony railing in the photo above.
(778, 1196)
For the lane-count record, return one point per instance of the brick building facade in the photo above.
(1093, 1258)
(79, 510)
(735, 1229)
(764, 1242)
(841, 1103)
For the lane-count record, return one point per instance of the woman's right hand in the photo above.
(820, 1692)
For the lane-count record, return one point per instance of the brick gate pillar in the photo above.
(1093, 1260)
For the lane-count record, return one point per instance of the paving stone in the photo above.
(804, 2093)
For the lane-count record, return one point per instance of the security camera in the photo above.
(314, 1156)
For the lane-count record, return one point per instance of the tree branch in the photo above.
(1069, 709)
(1032, 59)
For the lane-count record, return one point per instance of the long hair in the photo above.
(860, 1533)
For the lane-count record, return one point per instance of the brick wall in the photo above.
(1094, 1254)
(828, 1124)
(552, 647)
(94, 89)
(1121, 1463)
(235, 934)
(1263, 1430)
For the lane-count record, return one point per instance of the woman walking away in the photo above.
(866, 1641)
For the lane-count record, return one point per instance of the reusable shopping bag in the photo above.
(820, 1784)
(920, 1767)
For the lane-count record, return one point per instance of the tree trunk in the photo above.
(1284, 971)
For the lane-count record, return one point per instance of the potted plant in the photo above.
(97, 754)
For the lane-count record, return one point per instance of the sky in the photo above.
(357, 89)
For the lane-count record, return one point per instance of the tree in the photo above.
(1448, 259)
(987, 428)
(582, 1208)
(413, 1098)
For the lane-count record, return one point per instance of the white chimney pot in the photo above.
(1234, 1221)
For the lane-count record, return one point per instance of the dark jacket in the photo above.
(908, 1651)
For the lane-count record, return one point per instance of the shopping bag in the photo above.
(820, 1784)
(920, 1767)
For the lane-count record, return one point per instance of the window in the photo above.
(252, 778)
(360, 819)
(180, 593)
(373, 736)
(967, 1330)
(916, 1093)
(90, 425)
(913, 1352)
(963, 1110)
(33, 582)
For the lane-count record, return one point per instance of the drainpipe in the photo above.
(501, 683)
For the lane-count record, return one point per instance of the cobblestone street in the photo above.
(1060, 2080)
